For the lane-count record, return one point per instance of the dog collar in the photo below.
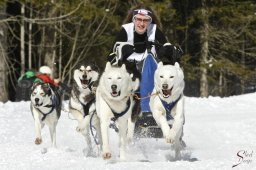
(116, 114)
(168, 107)
(52, 106)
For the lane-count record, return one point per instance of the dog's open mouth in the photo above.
(115, 93)
(167, 92)
(85, 82)
(38, 104)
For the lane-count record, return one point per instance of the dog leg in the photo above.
(122, 137)
(83, 124)
(130, 130)
(96, 124)
(88, 151)
(105, 140)
(162, 122)
(52, 129)
(38, 140)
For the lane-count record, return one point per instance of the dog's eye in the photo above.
(34, 93)
(171, 77)
(89, 71)
(161, 76)
(42, 94)
(109, 78)
(119, 78)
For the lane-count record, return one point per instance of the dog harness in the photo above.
(117, 115)
(88, 104)
(168, 107)
(52, 106)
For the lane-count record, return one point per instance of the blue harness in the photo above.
(168, 108)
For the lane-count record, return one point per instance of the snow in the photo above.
(217, 131)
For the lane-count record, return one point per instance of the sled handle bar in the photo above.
(118, 46)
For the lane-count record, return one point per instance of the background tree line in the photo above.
(218, 38)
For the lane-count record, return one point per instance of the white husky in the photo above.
(168, 106)
(114, 104)
(82, 103)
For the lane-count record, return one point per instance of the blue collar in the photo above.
(168, 107)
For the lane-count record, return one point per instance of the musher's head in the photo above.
(141, 19)
(141, 16)
(46, 70)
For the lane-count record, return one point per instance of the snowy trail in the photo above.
(216, 129)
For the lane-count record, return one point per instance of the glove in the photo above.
(170, 52)
(127, 50)
(111, 58)
(177, 53)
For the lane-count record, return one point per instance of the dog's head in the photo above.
(169, 79)
(40, 94)
(116, 82)
(85, 75)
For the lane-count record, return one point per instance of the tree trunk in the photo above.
(243, 63)
(22, 39)
(30, 39)
(204, 52)
(220, 84)
(3, 63)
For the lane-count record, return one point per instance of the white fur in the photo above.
(119, 77)
(173, 77)
(51, 119)
(76, 107)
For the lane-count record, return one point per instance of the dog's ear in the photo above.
(180, 73)
(177, 65)
(47, 88)
(108, 66)
(35, 84)
(95, 66)
(123, 67)
(160, 64)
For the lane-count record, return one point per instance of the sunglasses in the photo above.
(142, 20)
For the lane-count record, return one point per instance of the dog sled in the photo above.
(145, 125)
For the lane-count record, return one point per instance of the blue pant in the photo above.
(147, 81)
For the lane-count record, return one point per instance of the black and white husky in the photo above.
(82, 103)
(46, 109)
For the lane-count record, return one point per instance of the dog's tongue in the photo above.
(84, 81)
(114, 93)
(167, 92)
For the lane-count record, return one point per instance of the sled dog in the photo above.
(46, 109)
(82, 103)
(168, 105)
(114, 106)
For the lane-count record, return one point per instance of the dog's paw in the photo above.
(38, 141)
(129, 140)
(169, 140)
(170, 137)
(106, 155)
